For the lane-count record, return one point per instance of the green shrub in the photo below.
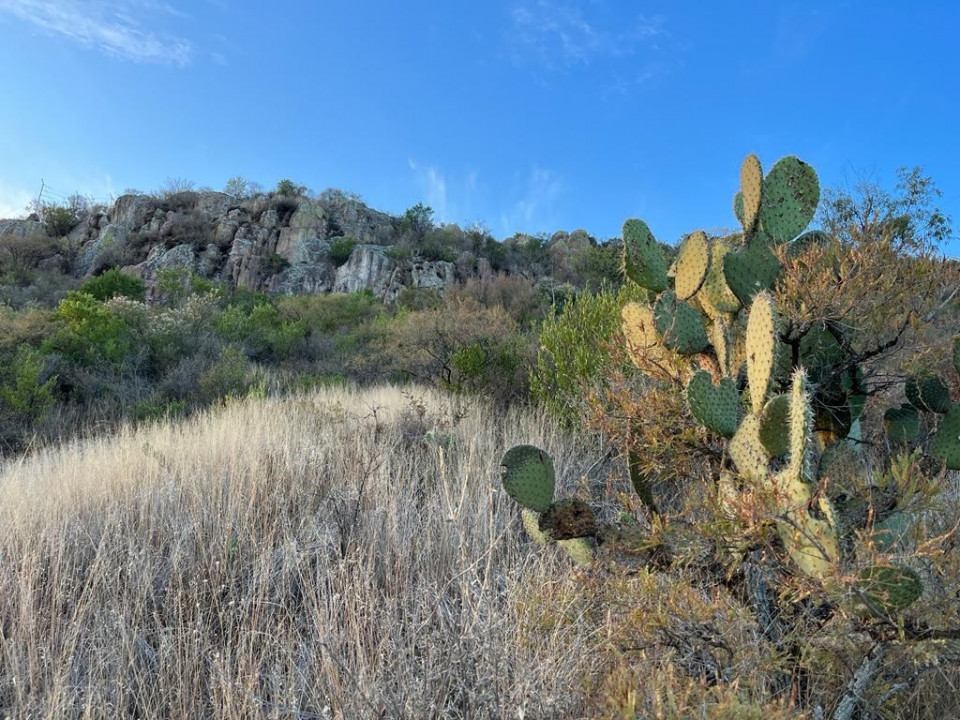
(262, 331)
(288, 188)
(276, 263)
(341, 249)
(60, 219)
(25, 396)
(228, 375)
(89, 333)
(574, 356)
(329, 313)
(114, 283)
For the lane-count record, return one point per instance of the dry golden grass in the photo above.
(311, 557)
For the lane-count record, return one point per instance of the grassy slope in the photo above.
(222, 568)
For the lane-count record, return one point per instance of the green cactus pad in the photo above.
(927, 392)
(791, 192)
(902, 424)
(750, 270)
(693, 260)
(820, 352)
(738, 206)
(643, 259)
(716, 406)
(679, 325)
(946, 443)
(746, 450)
(775, 426)
(528, 477)
(888, 589)
(892, 533)
(715, 291)
(751, 189)
(761, 342)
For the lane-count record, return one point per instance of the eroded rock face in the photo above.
(267, 244)
(429, 275)
(368, 268)
(21, 228)
(133, 211)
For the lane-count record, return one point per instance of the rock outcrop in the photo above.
(268, 243)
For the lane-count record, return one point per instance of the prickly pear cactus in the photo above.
(884, 590)
(946, 443)
(643, 260)
(528, 477)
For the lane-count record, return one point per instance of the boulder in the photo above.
(106, 249)
(368, 268)
(301, 246)
(133, 211)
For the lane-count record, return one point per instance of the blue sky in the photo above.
(526, 115)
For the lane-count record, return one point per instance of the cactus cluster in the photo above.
(927, 393)
(529, 478)
(783, 401)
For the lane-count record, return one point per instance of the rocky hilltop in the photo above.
(279, 244)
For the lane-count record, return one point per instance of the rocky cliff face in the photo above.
(281, 245)
(278, 245)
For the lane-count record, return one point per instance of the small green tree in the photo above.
(114, 283)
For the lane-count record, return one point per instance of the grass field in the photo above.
(345, 554)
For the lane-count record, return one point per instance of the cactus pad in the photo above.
(751, 188)
(716, 406)
(902, 424)
(888, 589)
(716, 292)
(775, 426)
(746, 450)
(956, 353)
(927, 392)
(643, 260)
(679, 325)
(761, 342)
(812, 542)
(946, 443)
(791, 193)
(580, 550)
(640, 332)
(693, 260)
(528, 477)
(721, 344)
(750, 270)
(531, 523)
(738, 206)
(891, 533)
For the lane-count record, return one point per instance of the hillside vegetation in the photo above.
(736, 463)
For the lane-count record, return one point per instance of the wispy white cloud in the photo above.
(14, 201)
(450, 195)
(553, 33)
(536, 209)
(122, 28)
